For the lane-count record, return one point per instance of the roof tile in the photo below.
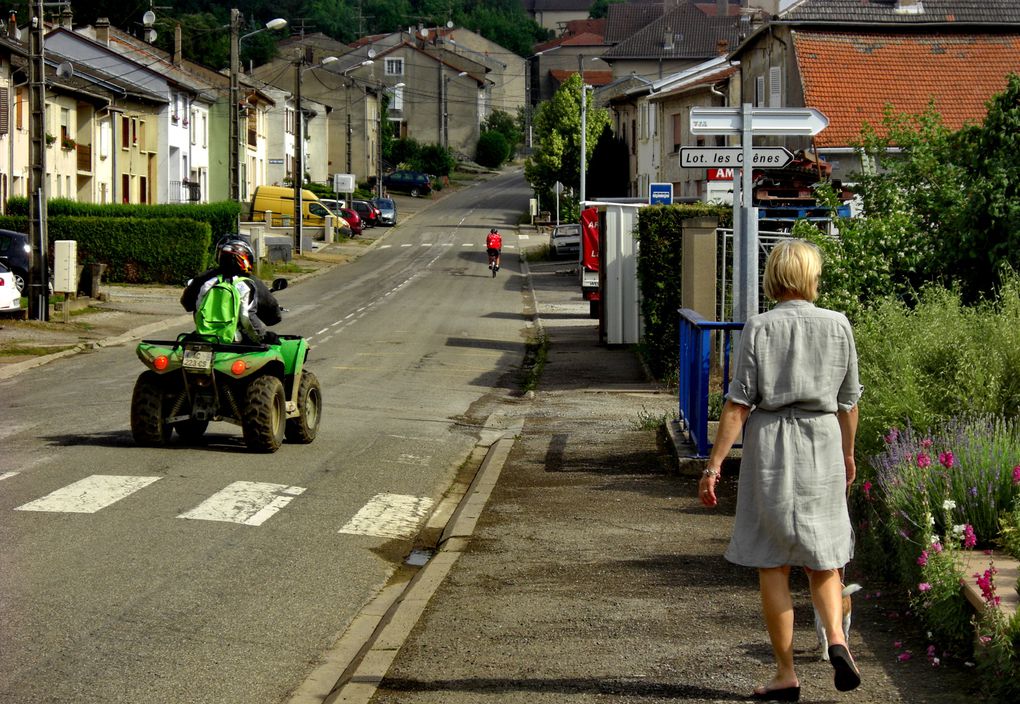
(853, 77)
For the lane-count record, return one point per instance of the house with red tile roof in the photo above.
(853, 59)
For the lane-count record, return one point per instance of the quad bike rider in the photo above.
(231, 367)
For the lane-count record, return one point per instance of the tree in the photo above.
(504, 123)
(557, 138)
(434, 159)
(492, 149)
(600, 8)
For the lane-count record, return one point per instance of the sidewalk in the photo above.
(593, 573)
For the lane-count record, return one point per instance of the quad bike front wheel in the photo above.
(305, 426)
(148, 411)
(264, 415)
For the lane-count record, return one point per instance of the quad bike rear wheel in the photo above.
(148, 411)
(305, 426)
(264, 415)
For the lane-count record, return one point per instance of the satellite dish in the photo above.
(449, 24)
(149, 18)
(371, 53)
(65, 70)
(424, 31)
(150, 35)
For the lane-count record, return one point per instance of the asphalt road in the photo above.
(210, 574)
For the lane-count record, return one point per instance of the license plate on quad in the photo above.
(197, 359)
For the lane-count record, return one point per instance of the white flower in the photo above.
(958, 530)
(948, 504)
(931, 520)
(934, 540)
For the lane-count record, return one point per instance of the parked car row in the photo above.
(16, 254)
(10, 294)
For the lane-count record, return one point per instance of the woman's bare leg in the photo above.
(777, 606)
(827, 597)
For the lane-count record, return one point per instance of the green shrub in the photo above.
(434, 159)
(492, 149)
(659, 230)
(939, 360)
(135, 250)
(222, 216)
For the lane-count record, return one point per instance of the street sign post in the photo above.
(714, 157)
(749, 121)
(660, 193)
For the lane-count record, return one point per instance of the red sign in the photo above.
(720, 174)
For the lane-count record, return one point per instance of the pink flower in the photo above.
(904, 656)
(924, 587)
(986, 582)
(1016, 474)
(926, 443)
(947, 459)
(897, 644)
(867, 489)
(931, 651)
(923, 559)
(936, 546)
(893, 434)
(969, 538)
(923, 460)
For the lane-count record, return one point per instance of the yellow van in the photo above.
(280, 201)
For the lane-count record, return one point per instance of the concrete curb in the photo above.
(371, 643)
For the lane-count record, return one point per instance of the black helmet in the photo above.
(234, 255)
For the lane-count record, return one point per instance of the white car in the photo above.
(565, 241)
(10, 296)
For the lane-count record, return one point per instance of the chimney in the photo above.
(12, 25)
(103, 30)
(66, 18)
(177, 58)
(722, 47)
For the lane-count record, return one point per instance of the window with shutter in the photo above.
(759, 91)
(775, 87)
(4, 125)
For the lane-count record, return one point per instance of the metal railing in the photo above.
(695, 373)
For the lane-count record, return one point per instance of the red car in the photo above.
(354, 220)
(368, 212)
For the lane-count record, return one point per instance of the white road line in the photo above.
(89, 495)
(250, 503)
(8, 475)
(389, 516)
(385, 246)
(468, 244)
(405, 245)
(322, 331)
(447, 244)
(523, 237)
(426, 244)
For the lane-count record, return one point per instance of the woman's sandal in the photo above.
(782, 694)
(847, 675)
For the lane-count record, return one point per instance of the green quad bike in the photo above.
(192, 380)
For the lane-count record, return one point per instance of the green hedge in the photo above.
(135, 250)
(659, 265)
(221, 217)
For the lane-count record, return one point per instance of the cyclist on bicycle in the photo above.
(493, 246)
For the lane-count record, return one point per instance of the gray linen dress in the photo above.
(796, 366)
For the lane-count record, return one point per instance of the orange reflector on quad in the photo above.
(238, 367)
(161, 362)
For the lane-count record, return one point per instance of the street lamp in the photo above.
(446, 112)
(235, 109)
(299, 149)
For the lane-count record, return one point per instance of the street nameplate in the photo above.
(715, 157)
(764, 121)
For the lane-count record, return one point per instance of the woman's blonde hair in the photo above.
(793, 267)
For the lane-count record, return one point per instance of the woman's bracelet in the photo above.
(709, 472)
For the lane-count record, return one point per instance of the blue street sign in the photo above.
(660, 193)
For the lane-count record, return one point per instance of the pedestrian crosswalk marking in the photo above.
(250, 503)
(389, 516)
(89, 495)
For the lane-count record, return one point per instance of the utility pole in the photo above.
(299, 156)
(584, 127)
(38, 279)
(233, 167)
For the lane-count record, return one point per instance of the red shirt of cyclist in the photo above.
(494, 241)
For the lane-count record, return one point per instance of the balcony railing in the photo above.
(184, 192)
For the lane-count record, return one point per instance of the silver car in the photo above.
(565, 241)
(387, 211)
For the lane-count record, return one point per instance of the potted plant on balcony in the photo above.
(50, 139)
(68, 144)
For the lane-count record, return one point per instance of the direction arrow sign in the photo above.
(764, 121)
(761, 157)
